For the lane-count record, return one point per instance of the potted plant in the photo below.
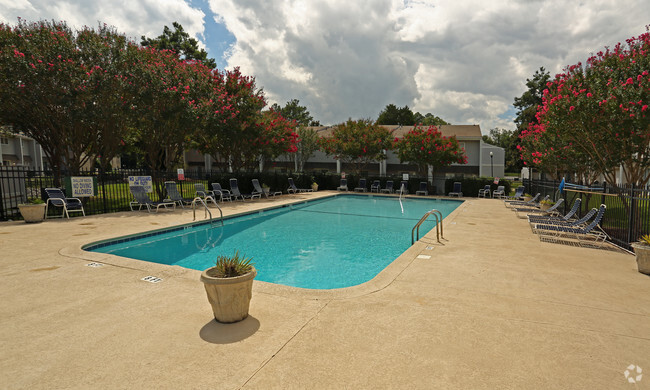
(527, 197)
(546, 204)
(33, 211)
(229, 286)
(314, 186)
(642, 252)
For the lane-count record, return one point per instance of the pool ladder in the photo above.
(439, 232)
(207, 210)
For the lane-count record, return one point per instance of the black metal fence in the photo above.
(628, 207)
(111, 189)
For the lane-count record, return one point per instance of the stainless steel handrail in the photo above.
(207, 210)
(439, 232)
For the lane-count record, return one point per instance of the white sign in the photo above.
(405, 176)
(144, 181)
(82, 186)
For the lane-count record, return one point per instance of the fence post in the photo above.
(103, 187)
(630, 223)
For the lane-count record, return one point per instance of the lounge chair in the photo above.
(343, 186)
(589, 234)
(573, 223)
(550, 219)
(522, 203)
(174, 196)
(57, 198)
(484, 192)
(551, 211)
(523, 212)
(423, 189)
(259, 189)
(142, 199)
(457, 190)
(201, 192)
(404, 187)
(375, 186)
(362, 186)
(500, 192)
(388, 188)
(529, 207)
(293, 189)
(220, 193)
(234, 190)
(519, 195)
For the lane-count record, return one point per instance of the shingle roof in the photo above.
(460, 131)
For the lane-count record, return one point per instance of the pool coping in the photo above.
(383, 279)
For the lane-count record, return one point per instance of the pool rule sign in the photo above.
(82, 186)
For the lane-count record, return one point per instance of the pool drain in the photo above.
(94, 265)
(152, 279)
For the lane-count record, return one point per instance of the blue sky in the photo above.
(462, 60)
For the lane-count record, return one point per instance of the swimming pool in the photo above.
(335, 242)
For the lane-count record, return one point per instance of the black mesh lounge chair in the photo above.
(500, 192)
(142, 199)
(375, 186)
(484, 192)
(56, 197)
(388, 188)
(201, 192)
(294, 190)
(519, 195)
(259, 189)
(343, 186)
(234, 190)
(220, 193)
(583, 235)
(457, 190)
(423, 189)
(550, 219)
(362, 186)
(174, 196)
(404, 187)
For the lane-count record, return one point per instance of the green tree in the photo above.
(393, 115)
(429, 120)
(428, 147)
(294, 111)
(180, 42)
(528, 102)
(357, 142)
(307, 144)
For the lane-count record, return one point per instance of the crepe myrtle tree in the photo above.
(428, 147)
(357, 142)
(598, 115)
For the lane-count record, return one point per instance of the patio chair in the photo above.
(523, 212)
(293, 189)
(573, 223)
(174, 196)
(388, 188)
(551, 211)
(142, 199)
(457, 190)
(404, 187)
(375, 186)
(423, 189)
(500, 192)
(361, 187)
(343, 186)
(589, 234)
(259, 189)
(484, 192)
(533, 205)
(206, 195)
(234, 190)
(57, 198)
(566, 218)
(218, 192)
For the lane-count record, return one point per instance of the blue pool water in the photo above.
(335, 242)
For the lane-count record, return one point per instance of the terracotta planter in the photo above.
(32, 213)
(642, 252)
(229, 297)
(314, 187)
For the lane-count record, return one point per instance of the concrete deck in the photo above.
(493, 308)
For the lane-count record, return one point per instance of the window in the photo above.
(462, 145)
(4, 141)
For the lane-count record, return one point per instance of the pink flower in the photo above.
(571, 108)
(645, 107)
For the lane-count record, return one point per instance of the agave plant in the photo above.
(231, 266)
(645, 239)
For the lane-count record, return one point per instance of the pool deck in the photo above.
(491, 308)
